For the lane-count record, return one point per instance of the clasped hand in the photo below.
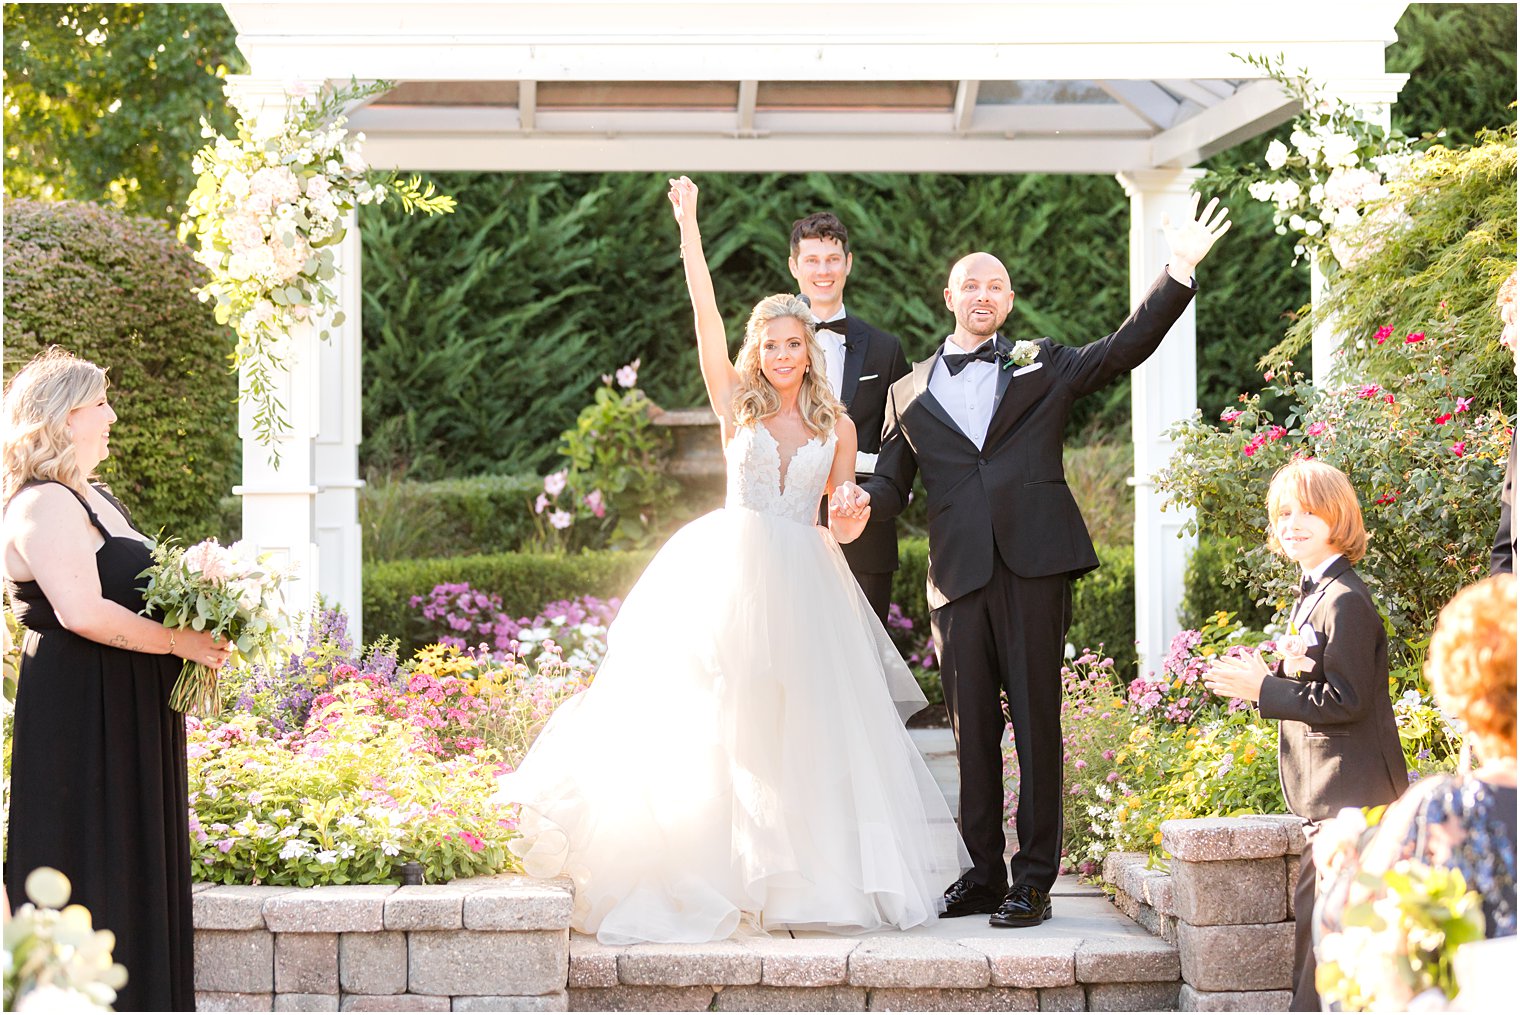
(1240, 677)
(849, 502)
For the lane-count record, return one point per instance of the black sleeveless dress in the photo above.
(98, 782)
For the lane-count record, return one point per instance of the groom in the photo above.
(982, 421)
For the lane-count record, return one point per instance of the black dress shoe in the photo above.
(966, 897)
(1025, 906)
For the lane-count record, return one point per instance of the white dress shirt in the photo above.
(968, 395)
(1304, 604)
(832, 343)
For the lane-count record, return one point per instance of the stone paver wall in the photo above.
(481, 944)
(1225, 900)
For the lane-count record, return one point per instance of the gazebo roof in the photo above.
(848, 85)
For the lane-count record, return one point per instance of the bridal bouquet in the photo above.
(269, 210)
(224, 590)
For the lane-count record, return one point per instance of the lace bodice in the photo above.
(755, 474)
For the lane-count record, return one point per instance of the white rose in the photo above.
(1277, 155)
(1261, 190)
(1307, 144)
(1316, 193)
(1339, 150)
(235, 183)
(1296, 223)
(1313, 227)
(1287, 191)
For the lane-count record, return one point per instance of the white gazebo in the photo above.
(1141, 91)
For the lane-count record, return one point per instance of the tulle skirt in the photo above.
(740, 757)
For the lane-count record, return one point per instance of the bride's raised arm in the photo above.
(718, 371)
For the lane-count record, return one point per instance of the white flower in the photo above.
(235, 183)
(628, 376)
(1296, 223)
(1286, 192)
(1339, 150)
(1307, 144)
(1261, 190)
(327, 856)
(554, 482)
(49, 998)
(1277, 155)
(561, 519)
(1313, 227)
(294, 849)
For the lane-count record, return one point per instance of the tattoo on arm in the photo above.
(120, 641)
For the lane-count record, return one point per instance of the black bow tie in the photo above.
(956, 361)
(840, 325)
(1306, 586)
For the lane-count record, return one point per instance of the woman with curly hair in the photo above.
(98, 780)
(1464, 821)
(739, 760)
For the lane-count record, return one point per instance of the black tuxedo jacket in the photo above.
(1337, 743)
(873, 361)
(1010, 498)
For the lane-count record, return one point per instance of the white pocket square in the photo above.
(870, 377)
(1026, 370)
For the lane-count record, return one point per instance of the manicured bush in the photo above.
(525, 582)
(117, 290)
(448, 518)
(1207, 589)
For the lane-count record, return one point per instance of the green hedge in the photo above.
(524, 581)
(117, 291)
(451, 517)
(1205, 591)
(1103, 603)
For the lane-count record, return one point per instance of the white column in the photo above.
(337, 443)
(1373, 99)
(1164, 389)
(279, 501)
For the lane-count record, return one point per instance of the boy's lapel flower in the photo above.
(1294, 649)
(1021, 355)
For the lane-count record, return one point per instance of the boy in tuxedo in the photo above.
(1338, 745)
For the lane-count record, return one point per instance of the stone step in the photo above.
(1088, 957)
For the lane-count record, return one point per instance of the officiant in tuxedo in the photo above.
(861, 362)
(982, 422)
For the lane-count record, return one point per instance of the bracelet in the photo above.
(170, 650)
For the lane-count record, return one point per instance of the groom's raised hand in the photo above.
(1192, 240)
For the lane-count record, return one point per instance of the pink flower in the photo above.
(1315, 429)
(628, 376)
(1383, 333)
(1295, 652)
(1459, 449)
(540, 504)
(560, 519)
(209, 560)
(1230, 415)
(1253, 445)
(1276, 433)
(554, 482)
(1463, 404)
(1367, 391)
(1445, 417)
(225, 845)
(594, 502)
(1413, 337)
(1388, 398)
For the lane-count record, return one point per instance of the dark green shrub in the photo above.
(1103, 608)
(449, 518)
(1207, 588)
(1103, 602)
(117, 290)
(524, 581)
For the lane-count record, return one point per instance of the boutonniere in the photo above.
(1293, 647)
(1021, 355)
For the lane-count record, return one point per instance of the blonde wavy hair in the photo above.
(756, 398)
(38, 401)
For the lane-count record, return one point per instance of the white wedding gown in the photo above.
(738, 757)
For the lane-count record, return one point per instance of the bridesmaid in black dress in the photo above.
(98, 758)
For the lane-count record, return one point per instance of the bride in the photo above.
(739, 757)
